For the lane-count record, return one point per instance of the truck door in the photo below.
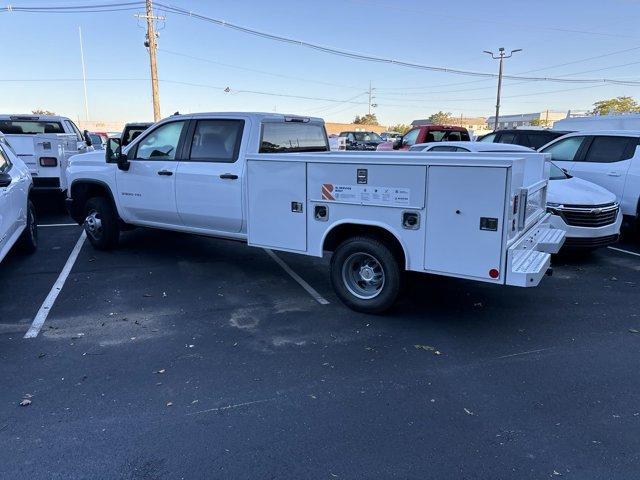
(209, 179)
(146, 191)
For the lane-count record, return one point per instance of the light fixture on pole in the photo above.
(501, 56)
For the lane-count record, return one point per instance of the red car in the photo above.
(427, 133)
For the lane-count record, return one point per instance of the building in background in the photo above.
(538, 119)
(98, 126)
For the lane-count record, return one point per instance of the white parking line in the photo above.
(45, 308)
(58, 225)
(310, 290)
(624, 251)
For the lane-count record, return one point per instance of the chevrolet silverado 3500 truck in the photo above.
(270, 180)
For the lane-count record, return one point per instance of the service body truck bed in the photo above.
(465, 215)
(44, 143)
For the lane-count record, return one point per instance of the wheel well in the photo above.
(349, 230)
(83, 191)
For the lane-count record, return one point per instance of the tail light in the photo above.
(48, 162)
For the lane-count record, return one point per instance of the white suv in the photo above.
(608, 158)
(17, 214)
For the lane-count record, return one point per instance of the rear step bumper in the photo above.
(530, 257)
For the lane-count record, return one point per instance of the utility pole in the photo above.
(152, 46)
(371, 98)
(84, 76)
(501, 56)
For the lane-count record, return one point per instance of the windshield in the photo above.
(29, 127)
(556, 173)
(368, 137)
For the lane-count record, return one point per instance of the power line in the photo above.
(254, 70)
(372, 58)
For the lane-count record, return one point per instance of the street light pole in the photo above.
(501, 56)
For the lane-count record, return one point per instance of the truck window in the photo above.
(29, 127)
(293, 137)
(411, 137)
(216, 140)
(72, 126)
(161, 143)
(610, 149)
(489, 138)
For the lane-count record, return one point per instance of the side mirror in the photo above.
(397, 143)
(5, 180)
(87, 138)
(113, 154)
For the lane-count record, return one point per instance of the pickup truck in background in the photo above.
(270, 180)
(426, 134)
(44, 143)
(131, 131)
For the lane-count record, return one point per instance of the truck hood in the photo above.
(575, 191)
(96, 157)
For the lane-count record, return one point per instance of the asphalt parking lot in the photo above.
(187, 357)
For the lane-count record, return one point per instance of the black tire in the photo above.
(28, 241)
(101, 223)
(360, 289)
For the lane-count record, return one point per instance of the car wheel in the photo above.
(101, 224)
(365, 275)
(28, 241)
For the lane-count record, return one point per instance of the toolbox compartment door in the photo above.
(276, 216)
(465, 221)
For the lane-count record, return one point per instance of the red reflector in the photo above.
(494, 273)
(48, 161)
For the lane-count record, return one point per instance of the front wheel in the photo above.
(28, 241)
(101, 223)
(365, 275)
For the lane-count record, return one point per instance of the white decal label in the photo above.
(366, 195)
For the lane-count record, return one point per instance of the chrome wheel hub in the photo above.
(93, 224)
(363, 275)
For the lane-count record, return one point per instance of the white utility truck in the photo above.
(270, 180)
(44, 143)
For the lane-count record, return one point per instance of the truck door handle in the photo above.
(229, 176)
(613, 174)
(167, 173)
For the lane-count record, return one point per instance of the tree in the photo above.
(400, 128)
(616, 105)
(440, 118)
(40, 111)
(368, 119)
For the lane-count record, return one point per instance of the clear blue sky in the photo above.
(45, 46)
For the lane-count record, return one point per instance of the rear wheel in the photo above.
(28, 241)
(101, 223)
(365, 275)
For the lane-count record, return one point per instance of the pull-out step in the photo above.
(527, 267)
(550, 240)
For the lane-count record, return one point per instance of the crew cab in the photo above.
(17, 213)
(588, 214)
(270, 180)
(44, 143)
(425, 134)
(609, 158)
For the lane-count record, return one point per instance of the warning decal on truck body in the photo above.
(366, 194)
